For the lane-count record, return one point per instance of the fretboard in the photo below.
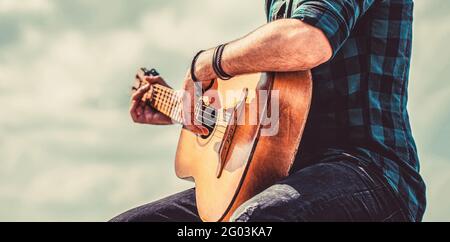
(166, 101)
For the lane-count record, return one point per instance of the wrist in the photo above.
(203, 69)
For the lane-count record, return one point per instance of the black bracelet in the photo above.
(193, 76)
(214, 61)
(217, 63)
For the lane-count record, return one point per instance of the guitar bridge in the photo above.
(229, 133)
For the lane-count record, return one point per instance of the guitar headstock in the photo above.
(139, 83)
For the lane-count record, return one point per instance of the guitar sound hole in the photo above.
(208, 120)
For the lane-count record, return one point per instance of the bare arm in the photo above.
(283, 45)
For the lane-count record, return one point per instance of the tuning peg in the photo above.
(151, 72)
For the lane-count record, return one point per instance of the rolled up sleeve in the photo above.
(336, 18)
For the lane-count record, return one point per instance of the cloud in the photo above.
(67, 148)
(67, 143)
(435, 169)
(106, 185)
(429, 102)
(25, 6)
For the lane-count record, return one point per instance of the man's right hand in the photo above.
(142, 113)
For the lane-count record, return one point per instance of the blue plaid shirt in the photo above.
(360, 95)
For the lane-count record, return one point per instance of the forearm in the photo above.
(280, 46)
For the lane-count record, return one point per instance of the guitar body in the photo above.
(236, 162)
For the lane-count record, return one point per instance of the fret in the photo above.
(172, 106)
(158, 98)
(168, 97)
(164, 98)
(175, 115)
(177, 111)
(164, 101)
(161, 98)
(167, 102)
(155, 97)
(197, 113)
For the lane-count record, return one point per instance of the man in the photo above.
(358, 160)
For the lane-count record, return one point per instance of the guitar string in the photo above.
(227, 115)
(168, 101)
(172, 92)
(173, 102)
(216, 129)
(167, 108)
(163, 106)
(197, 116)
(173, 107)
(168, 105)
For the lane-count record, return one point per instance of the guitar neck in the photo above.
(166, 101)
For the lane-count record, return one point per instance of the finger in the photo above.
(151, 79)
(205, 130)
(193, 125)
(139, 120)
(137, 116)
(148, 114)
(198, 129)
(140, 73)
(198, 125)
(139, 80)
(202, 129)
(155, 79)
(140, 92)
(193, 129)
(140, 110)
(134, 105)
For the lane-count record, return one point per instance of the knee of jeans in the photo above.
(243, 214)
(262, 205)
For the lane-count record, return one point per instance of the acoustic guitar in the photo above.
(243, 154)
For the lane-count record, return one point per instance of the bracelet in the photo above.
(217, 63)
(193, 76)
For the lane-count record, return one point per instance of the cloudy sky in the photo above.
(68, 151)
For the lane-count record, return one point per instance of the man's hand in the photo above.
(190, 98)
(142, 113)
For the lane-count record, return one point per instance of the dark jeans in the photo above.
(339, 190)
